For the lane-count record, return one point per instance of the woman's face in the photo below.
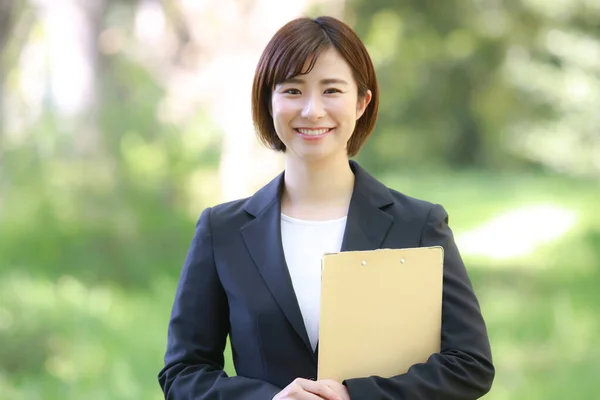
(315, 114)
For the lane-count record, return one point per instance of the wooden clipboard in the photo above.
(381, 311)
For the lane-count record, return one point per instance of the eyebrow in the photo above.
(328, 81)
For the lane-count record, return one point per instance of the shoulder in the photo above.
(236, 213)
(411, 204)
(417, 212)
(223, 214)
(223, 210)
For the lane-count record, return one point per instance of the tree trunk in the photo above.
(6, 17)
(73, 27)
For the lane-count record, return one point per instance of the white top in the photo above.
(304, 243)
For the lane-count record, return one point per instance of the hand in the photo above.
(338, 388)
(304, 389)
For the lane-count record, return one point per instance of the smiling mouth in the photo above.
(313, 132)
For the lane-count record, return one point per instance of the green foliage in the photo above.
(489, 84)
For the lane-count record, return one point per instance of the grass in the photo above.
(73, 338)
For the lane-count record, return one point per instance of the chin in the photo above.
(317, 155)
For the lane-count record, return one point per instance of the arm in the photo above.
(198, 331)
(463, 369)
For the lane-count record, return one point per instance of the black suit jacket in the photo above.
(235, 281)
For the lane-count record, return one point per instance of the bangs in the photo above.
(296, 57)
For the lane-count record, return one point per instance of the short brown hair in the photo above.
(286, 55)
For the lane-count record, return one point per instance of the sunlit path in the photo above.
(518, 232)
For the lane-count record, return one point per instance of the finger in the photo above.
(311, 396)
(337, 387)
(298, 391)
(319, 389)
(303, 395)
(331, 383)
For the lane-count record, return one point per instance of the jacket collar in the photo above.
(366, 187)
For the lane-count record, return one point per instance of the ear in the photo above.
(362, 104)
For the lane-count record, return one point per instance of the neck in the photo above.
(312, 186)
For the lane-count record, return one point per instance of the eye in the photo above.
(292, 91)
(332, 91)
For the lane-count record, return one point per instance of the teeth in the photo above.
(313, 132)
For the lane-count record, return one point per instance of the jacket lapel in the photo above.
(366, 228)
(262, 236)
(367, 224)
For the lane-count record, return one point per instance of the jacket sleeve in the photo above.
(463, 369)
(198, 330)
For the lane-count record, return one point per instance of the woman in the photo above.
(253, 268)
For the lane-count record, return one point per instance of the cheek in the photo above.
(346, 111)
(281, 109)
(282, 116)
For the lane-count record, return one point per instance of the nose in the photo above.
(313, 108)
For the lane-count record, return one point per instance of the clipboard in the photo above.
(381, 311)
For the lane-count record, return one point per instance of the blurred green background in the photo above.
(120, 120)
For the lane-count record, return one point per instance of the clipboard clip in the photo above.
(364, 263)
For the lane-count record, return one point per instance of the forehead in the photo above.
(329, 64)
(331, 61)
